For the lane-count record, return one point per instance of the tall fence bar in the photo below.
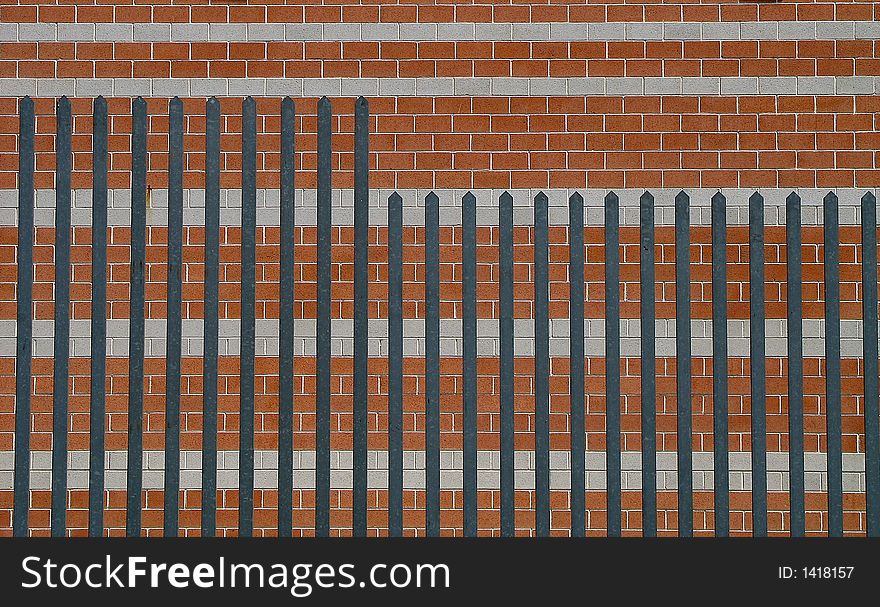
(322, 335)
(98, 325)
(361, 311)
(135, 457)
(174, 325)
(212, 313)
(61, 347)
(24, 294)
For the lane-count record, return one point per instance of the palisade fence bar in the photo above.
(136, 318)
(98, 343)
(720, 402)
(543, 255)
(795, 332)
(212, 315)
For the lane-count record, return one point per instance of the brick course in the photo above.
(503, 142)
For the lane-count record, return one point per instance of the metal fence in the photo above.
(432, 341)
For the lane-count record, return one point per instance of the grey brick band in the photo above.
(488, 466)
(464, 86)
(342, 331)
(298, 32)
(269, 211)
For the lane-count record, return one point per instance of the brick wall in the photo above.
(485, 96)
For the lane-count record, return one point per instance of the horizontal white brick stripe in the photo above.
(342, 331)
(269, 213)
(488, 470)
(296, 32)
(465, 86)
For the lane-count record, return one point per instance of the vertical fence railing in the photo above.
(612, 361)
(469, 361)
(135, 457)
(648, 369)
(432, 365)
(361, 312)
(505, 317)
(212, 315)
(542, 369)
(285, 319)
(395, 366)
(576, 360)
(577, 259)
(684, 414)
(98, 333)
(174, 318)
(24, 293)
(869, 341)
(757, 365)
(248, 317)
(795, 332)
(61, 350)
(720, 404)
(322, 342)
(832, 365)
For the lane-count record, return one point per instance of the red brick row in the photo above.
(488, 417)
(499, 142)
(305, 272)
(451, 517)
(405, 51)
(441, 60)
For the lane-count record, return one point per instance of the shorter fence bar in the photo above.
(648, 396)
(576, 362)
(542, 370)
(832, 366)
(612, 361)
(871, 381)
(505, 253)
(757, 365)
(719, 366)
(469, 360)
(795, 330)
(432, 365)
(683, 364)
(395, 365)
